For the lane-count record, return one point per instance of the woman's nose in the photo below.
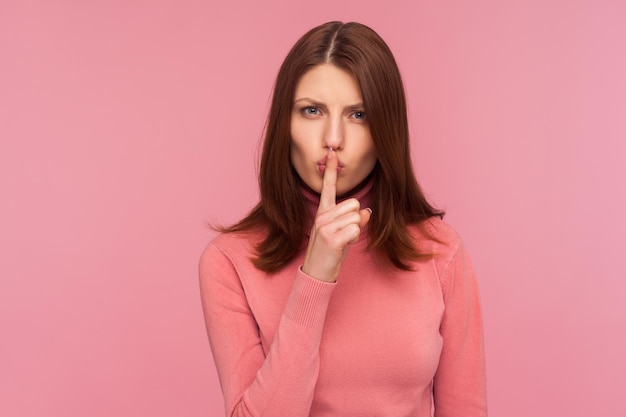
(333, 137)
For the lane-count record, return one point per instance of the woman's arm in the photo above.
(281, 383)
(459, 384)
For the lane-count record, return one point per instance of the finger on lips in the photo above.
(328, 197)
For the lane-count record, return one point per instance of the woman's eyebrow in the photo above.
(310, 100)
(356, 106)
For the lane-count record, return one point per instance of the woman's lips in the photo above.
(322, 168)
(321, 165)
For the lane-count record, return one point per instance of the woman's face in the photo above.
(328, 112)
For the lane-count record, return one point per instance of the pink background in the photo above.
(125, 125)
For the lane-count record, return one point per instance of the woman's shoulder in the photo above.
(440, 230)
(436, 237)
(227, 255)
(234, 244)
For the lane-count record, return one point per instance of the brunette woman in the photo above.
(342, 293)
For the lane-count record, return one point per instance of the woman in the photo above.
(342, 293)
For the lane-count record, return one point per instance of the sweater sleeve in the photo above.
(282, 382)
(459, 384)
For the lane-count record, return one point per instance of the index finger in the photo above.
(328, 197)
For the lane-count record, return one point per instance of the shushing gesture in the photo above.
(336, 226)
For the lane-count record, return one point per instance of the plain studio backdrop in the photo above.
(126, 125)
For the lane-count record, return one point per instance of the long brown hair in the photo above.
(397, 200)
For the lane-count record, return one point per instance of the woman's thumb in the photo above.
(366, 215)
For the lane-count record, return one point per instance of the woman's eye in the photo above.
(359, 115)
(310, 111)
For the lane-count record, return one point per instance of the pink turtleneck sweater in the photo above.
(378, 342)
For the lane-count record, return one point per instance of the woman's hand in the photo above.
(336, 227)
